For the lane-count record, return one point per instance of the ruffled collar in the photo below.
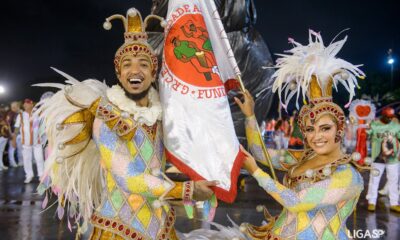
(147, 115)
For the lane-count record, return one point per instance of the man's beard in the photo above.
(135, 96)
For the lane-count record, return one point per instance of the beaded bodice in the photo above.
(319, 210)
(312, 175)
(315, 205)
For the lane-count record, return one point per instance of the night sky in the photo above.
(68, 35)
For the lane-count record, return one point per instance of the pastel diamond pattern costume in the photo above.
(109, 155)
(312, 210)
(128, 165)
(132, 167)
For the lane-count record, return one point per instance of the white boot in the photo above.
(384, 191)
(28, 179)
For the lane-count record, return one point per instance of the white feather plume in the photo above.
(295, 69)
(72, 171)
(222, 233)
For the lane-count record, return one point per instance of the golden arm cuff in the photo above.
(182, 190)
(176, 192)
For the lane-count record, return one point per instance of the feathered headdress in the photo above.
(312, 70)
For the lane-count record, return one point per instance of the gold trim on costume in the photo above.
(116, 227)
(85, 118)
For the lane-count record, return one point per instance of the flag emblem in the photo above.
(189, 55)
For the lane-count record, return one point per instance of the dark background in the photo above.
(69, 35)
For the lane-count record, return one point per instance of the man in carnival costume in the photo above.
(107, 153)
(384, 134)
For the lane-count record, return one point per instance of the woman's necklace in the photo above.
(317, 173)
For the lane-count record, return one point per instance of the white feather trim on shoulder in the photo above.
(72, 170)
(83, 93)
(147, 115)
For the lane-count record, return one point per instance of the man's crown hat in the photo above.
(135, 37)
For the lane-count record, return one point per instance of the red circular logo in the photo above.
(188, 52)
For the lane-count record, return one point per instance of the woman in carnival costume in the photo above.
(321, 188)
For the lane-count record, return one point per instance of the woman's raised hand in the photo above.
(247, 106)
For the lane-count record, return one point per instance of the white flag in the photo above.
(199, 134)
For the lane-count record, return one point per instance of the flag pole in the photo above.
(264, 149)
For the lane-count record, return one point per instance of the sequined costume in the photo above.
(312, 210)
(132, 159)
(317, 202)
(107, 154)
(132, 166)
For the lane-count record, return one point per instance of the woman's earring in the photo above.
(338, 137)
